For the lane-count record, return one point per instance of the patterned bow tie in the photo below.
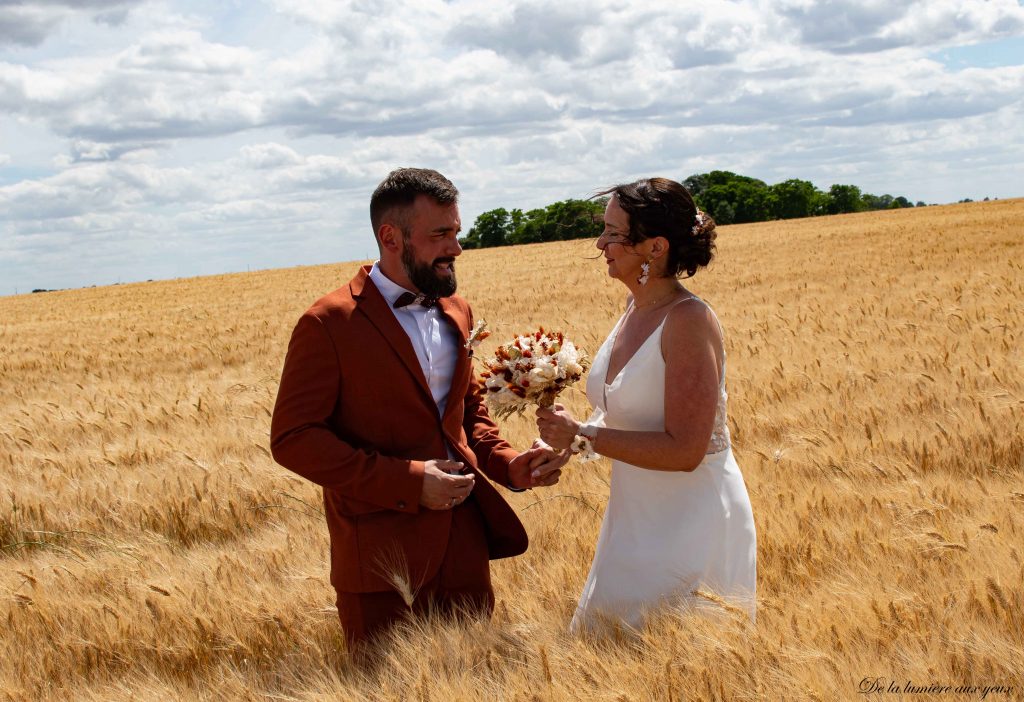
(408, 298)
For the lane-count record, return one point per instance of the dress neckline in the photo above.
(615, 336)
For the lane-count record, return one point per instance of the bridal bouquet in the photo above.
(532, 369)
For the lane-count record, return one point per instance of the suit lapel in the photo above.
(373, 305)
(460, 376)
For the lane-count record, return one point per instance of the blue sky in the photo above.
(153, 138)
(985, 54)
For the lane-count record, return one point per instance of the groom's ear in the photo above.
(388, 236)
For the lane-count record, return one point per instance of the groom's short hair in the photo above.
(398, 191)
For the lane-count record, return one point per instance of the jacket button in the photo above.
(401, 504)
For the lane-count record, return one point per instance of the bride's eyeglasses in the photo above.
(608, 238)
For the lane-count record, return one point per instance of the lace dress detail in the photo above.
(720, 433)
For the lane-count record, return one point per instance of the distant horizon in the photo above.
(160, 139)
(38, 290)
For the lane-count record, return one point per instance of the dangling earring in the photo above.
(645, 269)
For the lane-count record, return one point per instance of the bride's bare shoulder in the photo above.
(691, 320)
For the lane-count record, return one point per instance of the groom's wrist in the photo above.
(513, 488)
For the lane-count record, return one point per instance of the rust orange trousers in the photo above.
(462, 584)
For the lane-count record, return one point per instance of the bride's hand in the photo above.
(557, 426)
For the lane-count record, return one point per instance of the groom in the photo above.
(378, 404)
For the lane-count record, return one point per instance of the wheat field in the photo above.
(152, 550)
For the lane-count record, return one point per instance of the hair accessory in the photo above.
(701, 220)
(645, 270)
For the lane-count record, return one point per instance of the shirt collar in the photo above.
(387, 287)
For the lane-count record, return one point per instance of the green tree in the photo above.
(876, 202)
(529, 229)
(731, 198)
(739, 202)
(559, 221)
(696, 185)
(844, 198)
(796, 198)
(725, 178)
(718, 203)
(574, 219)
(471, 240)
(493, 228)
(753, 201)
(820, 206)
(884, 202)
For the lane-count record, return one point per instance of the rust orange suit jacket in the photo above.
(354, 414)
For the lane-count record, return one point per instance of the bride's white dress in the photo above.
(665, 533)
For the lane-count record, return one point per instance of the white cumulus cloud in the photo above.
(172, 138)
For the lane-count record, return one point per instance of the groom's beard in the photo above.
(423, 276)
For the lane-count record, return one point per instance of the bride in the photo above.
(678, 517)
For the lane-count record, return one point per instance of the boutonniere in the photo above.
(478, 334)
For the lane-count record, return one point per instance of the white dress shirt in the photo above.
(433, 339)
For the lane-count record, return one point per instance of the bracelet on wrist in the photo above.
(583, 445)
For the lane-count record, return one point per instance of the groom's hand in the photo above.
(539, 466)
(443, 486)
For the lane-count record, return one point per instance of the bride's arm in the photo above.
(691, 345)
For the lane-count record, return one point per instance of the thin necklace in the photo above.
(656, 301)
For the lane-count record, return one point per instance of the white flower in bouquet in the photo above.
(532, 369)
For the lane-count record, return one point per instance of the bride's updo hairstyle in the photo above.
(663, 207)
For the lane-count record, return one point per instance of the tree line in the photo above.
(728, 197)
(737, 199)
